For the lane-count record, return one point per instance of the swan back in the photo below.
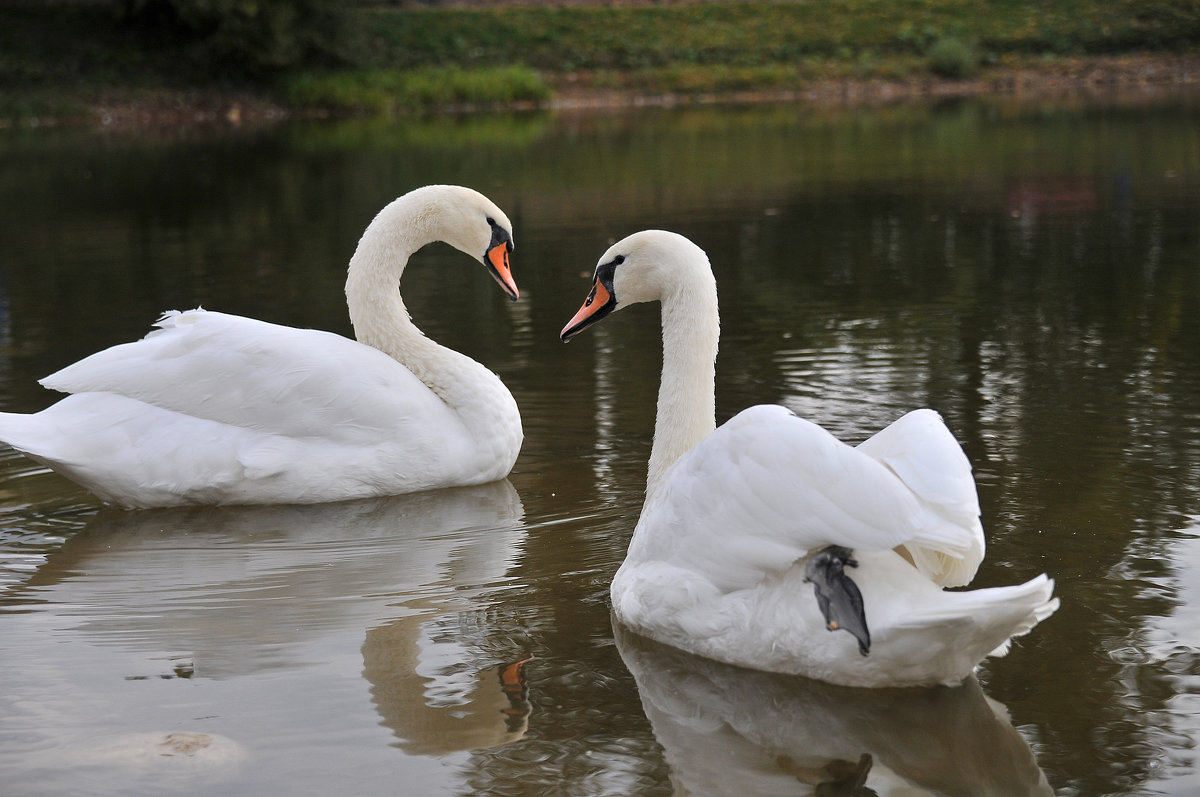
(268, 378)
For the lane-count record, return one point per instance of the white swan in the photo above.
(219, 409)
(739, 520)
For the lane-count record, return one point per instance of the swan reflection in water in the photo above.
(731, 731)
(432, 715)
(226, 593)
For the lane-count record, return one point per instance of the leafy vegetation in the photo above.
(249, 35)
(365, 56)
(952, 58)
(757, 33)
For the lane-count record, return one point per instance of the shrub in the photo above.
(952, 58)
(249, 35)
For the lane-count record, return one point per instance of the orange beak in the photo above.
(598, 300)
(497, 263)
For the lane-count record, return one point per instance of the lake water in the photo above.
(1032, 271)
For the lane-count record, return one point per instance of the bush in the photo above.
(952, 58)
(253, 36)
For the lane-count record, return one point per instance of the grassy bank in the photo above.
(68, 59)
(750, 33)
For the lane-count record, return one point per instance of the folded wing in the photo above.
(767, 488)
(263, 377)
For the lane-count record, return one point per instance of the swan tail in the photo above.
(1042, 605)
(25, 433)
(40, 437)
(129, 453)
(983, 622)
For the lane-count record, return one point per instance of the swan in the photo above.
(759, 538)
(212, 408)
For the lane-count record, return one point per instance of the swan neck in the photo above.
(377, 311)
(686, 397)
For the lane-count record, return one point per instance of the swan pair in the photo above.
(756, 539)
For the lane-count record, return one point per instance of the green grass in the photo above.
(391, 91)
(62, 56)
(761, 46)
(753, 33)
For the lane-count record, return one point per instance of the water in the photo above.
(1031, 271)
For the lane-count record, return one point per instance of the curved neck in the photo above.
(377, 312)
(691, 329)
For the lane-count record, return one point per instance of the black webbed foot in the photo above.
(840, 601)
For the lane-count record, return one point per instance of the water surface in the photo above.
(1032, 272)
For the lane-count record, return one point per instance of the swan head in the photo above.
(472, 224)
(648, 266)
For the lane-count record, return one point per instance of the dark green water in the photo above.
(1031, 271)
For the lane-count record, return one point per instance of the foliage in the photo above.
(755, 33)
(952, 58)
(385, 91)
(370, 55)
(255, 36)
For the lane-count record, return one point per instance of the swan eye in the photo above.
(491, 221)
(618, 260)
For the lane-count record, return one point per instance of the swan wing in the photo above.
(767, 488)
(922, 453)
(263, 377)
